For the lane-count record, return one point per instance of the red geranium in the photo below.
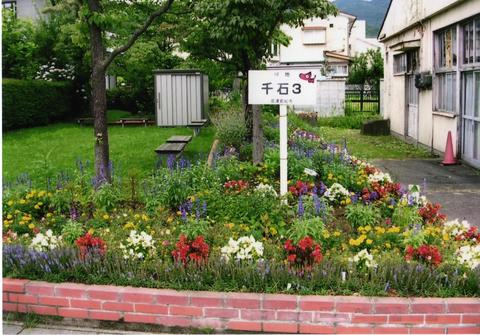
(235, 185)
(88, 244)
(471, 235)
(303, 255)
(186, 250)
(430, 214)
(425, 253)
(300, 188)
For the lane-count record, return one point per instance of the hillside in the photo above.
(371, 11)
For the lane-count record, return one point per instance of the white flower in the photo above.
(379, 177)
(138, 245)
(246, 247)
(266, 189)
(310, 172)
(45, 242)
(336, 193)
(455, 228)
(469, 255)
(363, 257)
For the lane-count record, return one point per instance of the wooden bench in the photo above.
(197, 125)
(144, 121)
(171, 148)
(85, 120)
(179, 139)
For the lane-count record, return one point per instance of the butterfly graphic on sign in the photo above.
(307, 77)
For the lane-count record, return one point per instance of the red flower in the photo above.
(303, 255)
(425, 253)
(430, 214)
(88, 244)
(472, 235)
(300, 188)
(235, 186)
(186, 250)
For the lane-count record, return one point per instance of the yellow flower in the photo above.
(129, 225)
(90, 231)
(337, 233)
(368, 228)
(369, 241)
(380, 230)
(446, 237)
(348, 201)
(36, 206)
(326, 234)
(49, 215)
(31, 226)
(21, 223)
(10, 203)
(342, 202)
(144, 217)
(9, 216)
(41, 193)
(352, 242)
(106, 216)
(330, 176)
(388, 245)
(22, 201)
(178, 213)
(5, 222)
(169, 219)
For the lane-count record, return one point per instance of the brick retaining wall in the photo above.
(245, 311)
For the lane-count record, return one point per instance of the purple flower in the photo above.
(373, 196)
(301, 209)
(170, 162)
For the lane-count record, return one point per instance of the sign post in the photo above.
(283, 87)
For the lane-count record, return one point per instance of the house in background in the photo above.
(437, 41)
(25, 9)
(325, 44)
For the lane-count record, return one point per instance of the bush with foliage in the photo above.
(32, 103)
(230, 126)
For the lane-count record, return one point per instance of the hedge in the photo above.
(31, 103)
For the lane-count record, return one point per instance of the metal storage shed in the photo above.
(181, 96)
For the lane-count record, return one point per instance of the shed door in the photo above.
(471, 118)
(412, 106)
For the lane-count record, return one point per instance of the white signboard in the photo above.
(282, 87)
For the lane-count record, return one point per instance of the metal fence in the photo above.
(361, 98)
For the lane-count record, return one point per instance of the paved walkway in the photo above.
(17, 328)
(456, 187)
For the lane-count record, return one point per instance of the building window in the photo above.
(445, 88)
(400, 63)
(314, 35)
(471, 42)
(10, 5)
(274, 49)
(336, 70)
(446, 48)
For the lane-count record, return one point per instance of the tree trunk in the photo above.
(247, 111)
(99, 100)
(258, 142)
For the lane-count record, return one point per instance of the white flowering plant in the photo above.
(379, 177)
(413, 197)
(45, 242)
(363, 258)
(456, 228)
(245, 248)
(52, 71)
(266, 189)
(469, 255)
(138, 246)
(337, 193)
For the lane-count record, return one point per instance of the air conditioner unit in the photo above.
(423, 81)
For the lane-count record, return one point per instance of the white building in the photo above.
(326, 44)
(437, 40)
(25, 9)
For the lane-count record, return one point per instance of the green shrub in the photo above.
(121, 98)
(31, 103)
(352, 121)
(405, 216)
(362, 215)
(230, 126)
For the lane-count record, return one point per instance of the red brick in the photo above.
(305, 316)
(104, 315)
(117, 306)
(280, 302)
(422, 330)
(43, 310)
(139, 318)
(229, 313)
(408, 318)
(88, 304)
(369, 318)
(473, 307)
(280, 327)
(103, 293)
(77, 313)
(257, 314)
(185, 310)
(5, 296)
(71, 290)
(174, 321)
(8, 307)
(316, 304)
(171, 299)
(316, 329)
(206, 302)
(53, 301)
(243, 302)
(14, 285)
(137, 297)
(151, 309)
(40, 288)
(471, 318)
(208, 323)
(463, 330)
(428, 308)
(23, 298)
(22, 308)
(353, 330)
(391, 308)
(245, 326)
(331, 317)
(287, 316)
(443, 318)
(354, 307)
(390, 330)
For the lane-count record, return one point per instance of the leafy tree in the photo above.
(367, 68)
(240, 33)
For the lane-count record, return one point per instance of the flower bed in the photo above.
(347, 229)
(244, 311)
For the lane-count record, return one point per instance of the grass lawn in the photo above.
(49, 150)
(373, 147)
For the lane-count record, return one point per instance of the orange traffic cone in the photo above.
(448, 158)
